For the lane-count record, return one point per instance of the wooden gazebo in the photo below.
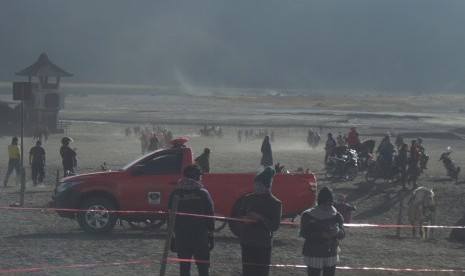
(47, 99)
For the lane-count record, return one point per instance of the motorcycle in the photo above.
(343, 166)
(452, 169)
(376, 170)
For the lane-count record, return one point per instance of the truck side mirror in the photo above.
(138, 169)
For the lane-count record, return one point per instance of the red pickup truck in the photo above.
(139, 190)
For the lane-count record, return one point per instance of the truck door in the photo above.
(152, 186)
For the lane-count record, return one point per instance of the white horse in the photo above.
(421, 208)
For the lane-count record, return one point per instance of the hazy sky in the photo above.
(383, 45)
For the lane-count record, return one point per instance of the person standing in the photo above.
(193, 235)
(322, 227)
(263, 210)
(14, 155)
(329, 147)
(68, 156)
(267, 155)
(37, 163)
(402, 163)
(344, 208)
(154, 143)
(203, 160)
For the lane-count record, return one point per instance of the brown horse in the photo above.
(421, 208)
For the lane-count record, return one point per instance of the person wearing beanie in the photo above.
(14, 156)
(263, 212)
(322, 227)
(193, 235)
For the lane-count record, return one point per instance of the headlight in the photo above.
(66, 185)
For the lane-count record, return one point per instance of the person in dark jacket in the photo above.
(263, 212)
(37, 162)
(329, 147)
(68, 156)
(203, 160)
(322, 227)
(267, 155)
(193, 235)
(344, 208)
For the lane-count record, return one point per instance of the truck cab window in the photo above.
(164, 164)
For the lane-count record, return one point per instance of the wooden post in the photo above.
(57, 181)
(169, 235)
(399, 216)
(433, 221)
(22, 170)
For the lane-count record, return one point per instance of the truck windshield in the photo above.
(125, 168)
(161, 162)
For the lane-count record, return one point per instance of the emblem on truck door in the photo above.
(154, 197)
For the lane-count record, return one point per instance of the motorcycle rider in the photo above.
(452, 170)
(353, 139)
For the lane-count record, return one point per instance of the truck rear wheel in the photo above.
(96, 215)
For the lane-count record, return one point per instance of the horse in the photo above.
(421, 208)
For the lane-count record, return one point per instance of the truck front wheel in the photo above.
(96, 215)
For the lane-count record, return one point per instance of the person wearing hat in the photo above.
(68, 156)
(262, 213)
(14, 155)
(193, 234)
(322, 227)
(37, 162)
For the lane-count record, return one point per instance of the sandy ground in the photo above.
(40, 239)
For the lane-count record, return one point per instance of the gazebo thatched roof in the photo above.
(44, 67)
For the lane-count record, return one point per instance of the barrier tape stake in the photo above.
(401, 206)
(169, 235)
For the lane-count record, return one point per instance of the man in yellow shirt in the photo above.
(14, 154)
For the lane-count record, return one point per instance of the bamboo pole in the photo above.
(169, 236)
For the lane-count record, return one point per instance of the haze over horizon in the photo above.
(350, 45)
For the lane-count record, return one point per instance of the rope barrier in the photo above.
(288, 223)
(177, 260)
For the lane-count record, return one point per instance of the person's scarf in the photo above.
(260, 189)
(189, 184)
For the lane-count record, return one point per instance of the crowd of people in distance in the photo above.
(391, 157)
(151, 138)
(251, 134)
